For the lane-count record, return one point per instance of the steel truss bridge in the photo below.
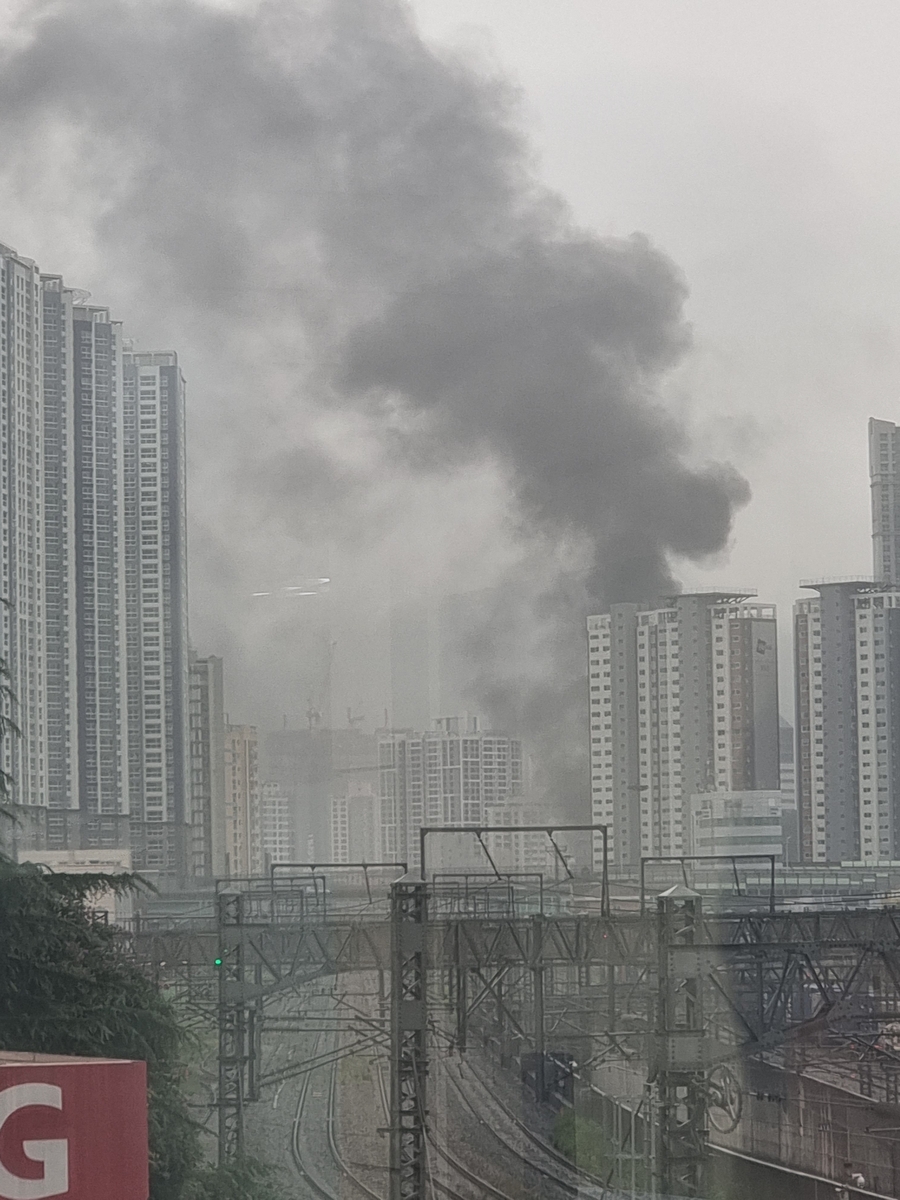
(682, 994)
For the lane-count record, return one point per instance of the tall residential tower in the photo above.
(207, 776)
(100, 577)
(23, 628)
(60, 569)
(683, 701)
(847, 679)
(884, 474)
(93, 577)
(155, 563)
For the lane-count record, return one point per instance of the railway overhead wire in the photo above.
(757, 983)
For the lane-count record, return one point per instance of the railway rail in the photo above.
(484, 1187)
(578, 1183)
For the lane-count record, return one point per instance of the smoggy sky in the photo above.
(753, 144)
(757, 143)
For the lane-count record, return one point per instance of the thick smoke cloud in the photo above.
(545, 354)
(340, 229)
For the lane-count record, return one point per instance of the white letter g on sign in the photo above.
(53, 1153)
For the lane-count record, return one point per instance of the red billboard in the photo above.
(72, 1128)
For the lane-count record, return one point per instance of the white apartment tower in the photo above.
(23, 630)
(93, 575)
(60, 565)
(275, 827)
(847, 674)
(446, 776)
(156, 600)
(884, 475)
(683, 700)
(99, 541)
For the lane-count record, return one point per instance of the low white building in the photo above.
(736, 823)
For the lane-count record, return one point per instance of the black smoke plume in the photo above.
(341, 230)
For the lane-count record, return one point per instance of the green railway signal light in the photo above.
(218, 962)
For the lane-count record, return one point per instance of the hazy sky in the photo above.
(757, 143)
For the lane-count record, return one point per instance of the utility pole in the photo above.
(409, 1028)
(679, 1066)
(232, 1022)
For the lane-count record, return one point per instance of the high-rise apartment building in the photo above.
(789, 818)
(847, 678)
(100, 616)
(884, 476)
(60, 566)
(243, 829)
(93, 573)
(156, 601)
(23, 628)
(683, 700)
(207, 777)
(445, 776)
(275, 827)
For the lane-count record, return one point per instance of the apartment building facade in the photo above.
(207, 768)
(884, 478)
(23, 630)
(155, 564)
(100, 612)
(60, 566)
(448, 775)
(847, 672)
(243, 827)
(276, 831)
(93, 573)
(683, 699)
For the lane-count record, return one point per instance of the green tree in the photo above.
(245, 1180)
(66, 987)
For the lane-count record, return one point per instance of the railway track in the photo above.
(482, 1186)
(296, 1153)
(549, 1177)
(449, 1175)
(331, 1125)
(325, 1192)
(548, 1151)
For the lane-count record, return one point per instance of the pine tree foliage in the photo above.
(66, 987)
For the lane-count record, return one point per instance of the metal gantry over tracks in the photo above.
(682, 995)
